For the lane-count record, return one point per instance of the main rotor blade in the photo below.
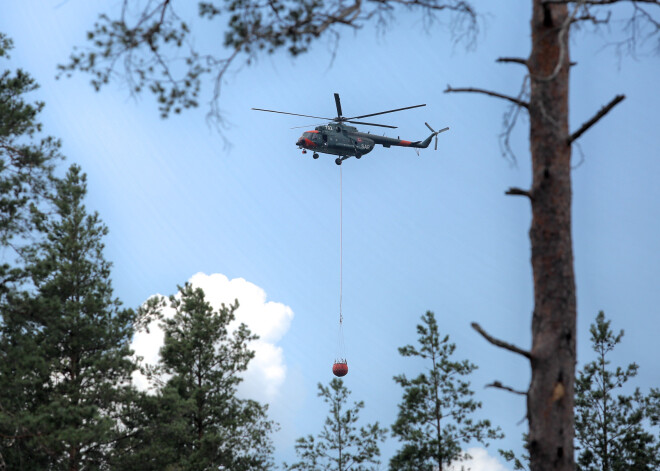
(307, 126)
(338, 103)
(293, 114)
(384, 112)
(371, 124)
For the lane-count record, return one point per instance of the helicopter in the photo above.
(338, 138)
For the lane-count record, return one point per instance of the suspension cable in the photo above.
(341, 268)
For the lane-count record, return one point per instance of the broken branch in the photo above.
(518, 192)
(518, 60)
(518, 102)
(500, 343)
(515, 60)
(603, 111)
(498, 385)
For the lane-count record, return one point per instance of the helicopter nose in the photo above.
(304, 142)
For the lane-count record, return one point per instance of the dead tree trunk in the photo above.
(552, 357)
(550, 395)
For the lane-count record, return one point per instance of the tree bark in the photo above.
(550, 397)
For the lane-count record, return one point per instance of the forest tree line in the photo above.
(67, 401)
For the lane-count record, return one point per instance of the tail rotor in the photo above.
(435, 133)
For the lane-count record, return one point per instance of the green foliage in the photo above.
(195, 421)
(521, 463)
(610, 428)
(68, 341)
(23, 369)
(518, 464)
(26, 161)
(435, 416)
(653, 410)
(340, 446)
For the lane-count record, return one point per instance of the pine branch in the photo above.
(516, 101)
(500, 343)
(603, 111)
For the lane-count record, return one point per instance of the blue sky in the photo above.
(429, 232)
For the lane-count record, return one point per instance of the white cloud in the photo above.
(480, 461)
(269, 320)
(147, 345)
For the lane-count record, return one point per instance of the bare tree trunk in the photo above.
(550, 396)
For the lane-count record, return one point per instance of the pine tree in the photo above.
(26, 164)
(80, 343)
(195, 421)
(610, 428)
(435, 416)
(340, 446)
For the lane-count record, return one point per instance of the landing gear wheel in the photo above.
(338, 161)
(358, 156)
(316, 156)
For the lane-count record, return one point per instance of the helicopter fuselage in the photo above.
(346, 141)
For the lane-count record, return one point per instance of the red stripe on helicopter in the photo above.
(404, 143)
